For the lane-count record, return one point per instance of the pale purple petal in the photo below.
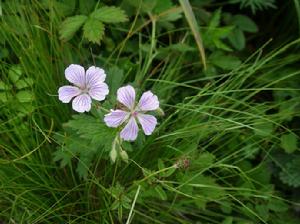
(148, 102)
(148, 122)
(66, 93)
(99, 92)
(76, 75)
(94, 76)
(126, 96)
(115, 118)
(130, 131)
(82, 103)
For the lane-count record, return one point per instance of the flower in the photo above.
(88, 85)
(133, 113)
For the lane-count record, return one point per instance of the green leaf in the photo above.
(24, 96)
(70, 26)
(93, 30)
(162, 6)
(114, 78)
(64, 156)
(244, 23)
(237, 39)
(277, 205)
(160, 164)
(4, 86)
(14, 73)
(290, 174)
(289, 142)
(228, 220)
(215, 20)
(24, 83)
(86, 6)
(161, 193)
(226, 62)
(263, 129)
(109, 14)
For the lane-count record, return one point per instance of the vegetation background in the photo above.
(226, 149)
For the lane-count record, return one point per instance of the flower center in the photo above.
(84, 90)
(134, 113)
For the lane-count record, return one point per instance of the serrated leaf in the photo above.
(290, 173)
(70, 26)
(93, 30)
(64, 156)
(244, 23)
(289, 142)
(4, 86)
(109, 14)
(161, 193)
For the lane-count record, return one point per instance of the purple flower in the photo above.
(133, 113)
(87, 85)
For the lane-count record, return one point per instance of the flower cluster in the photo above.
(88, 85)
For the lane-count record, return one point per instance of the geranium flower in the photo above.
(87, 85)
(133, 113)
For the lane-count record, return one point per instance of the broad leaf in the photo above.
(70, 26)
(110, 15)
(244, 23)
(289, 142)
(93, 30)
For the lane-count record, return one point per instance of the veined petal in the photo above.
(76, 75)
(148, 122)
(94, 76)
(130, 131)
(148, 102)
(126, 96)
(66, 93)
(82, 103)
(99, 92)
(115, 118)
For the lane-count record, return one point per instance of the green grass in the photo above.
(219, 124)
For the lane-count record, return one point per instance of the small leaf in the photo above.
(161, 193)
(4, 86)
(70, 26)
(264, 129)
(15, 73)
(237, 39)
(226, 62)
(289, 142)
(109, 15)
(93, 30)
(160, 164)
(24, 83)
(24, 96)
(244, 23)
